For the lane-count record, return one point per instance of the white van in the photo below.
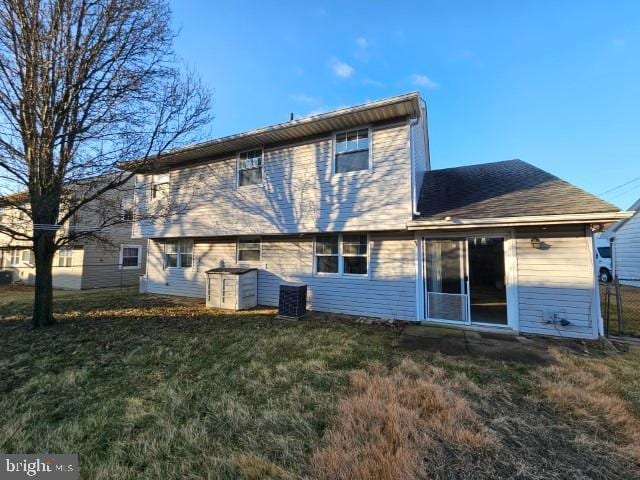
(604, 267)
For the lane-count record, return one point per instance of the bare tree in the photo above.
(84, 85)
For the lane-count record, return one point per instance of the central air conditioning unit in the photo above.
(292, 302)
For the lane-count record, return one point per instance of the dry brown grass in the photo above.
(587, 392)
(393, 420)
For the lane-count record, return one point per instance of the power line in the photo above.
(620, 186)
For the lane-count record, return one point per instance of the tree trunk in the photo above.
(44, 249)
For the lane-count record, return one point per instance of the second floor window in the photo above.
(352, 151)
(126, 211)
(159, 187)
(65, 257)
(250, 168)
(178, 254)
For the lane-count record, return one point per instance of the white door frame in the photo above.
(511, 276)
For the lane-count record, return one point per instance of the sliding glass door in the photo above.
(465, 280)
(446, 282)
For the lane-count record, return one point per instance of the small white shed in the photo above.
(233, 288)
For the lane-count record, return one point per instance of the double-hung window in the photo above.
(14, 257)
(327, 254)
(250, 168)
(28, 257)
(130, 256)
(352, 151)
(346, 254)
(178, 254)
(249, 249)
(159, 187)
(65, 257)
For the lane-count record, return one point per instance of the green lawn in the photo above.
(151, 387)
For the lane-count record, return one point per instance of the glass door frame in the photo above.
(511, 276)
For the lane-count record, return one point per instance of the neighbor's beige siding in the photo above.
(102, 260)
(559, 277)
(299, 193)
(389, 291)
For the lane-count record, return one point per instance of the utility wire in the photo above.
(620, 186)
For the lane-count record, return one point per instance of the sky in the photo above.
(556, 84)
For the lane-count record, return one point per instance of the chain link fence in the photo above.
(84, 276)
(621, 307)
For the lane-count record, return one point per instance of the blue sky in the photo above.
(554, 83)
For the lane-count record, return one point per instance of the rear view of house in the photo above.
(347, 203)
(115, 259)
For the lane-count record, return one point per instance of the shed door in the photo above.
(228, 291)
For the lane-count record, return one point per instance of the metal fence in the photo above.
(621, 307)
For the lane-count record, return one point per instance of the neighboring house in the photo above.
(625, 239)
(115, 260)
(346, 202)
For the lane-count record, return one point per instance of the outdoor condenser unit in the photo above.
(292, 302)
(232, 288)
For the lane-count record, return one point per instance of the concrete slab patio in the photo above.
(459, 342)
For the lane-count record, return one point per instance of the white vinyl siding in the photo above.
(558, 277)
(387, 292)
(627, 251)
(298, 194)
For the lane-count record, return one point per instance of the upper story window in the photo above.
(249, 249)
(250, 168)
(178, 254)
(352, 151)
(346, 254)
(126, 211)
(65, 257)
(159, 187)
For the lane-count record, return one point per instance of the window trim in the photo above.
(248, 238)
(238, 168)
(334, 151)
(11, 257)
(138, 266)
(68, 254)
(178, 253)
(153, 199)
(340, 273)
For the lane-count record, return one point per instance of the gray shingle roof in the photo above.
(511, 188)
